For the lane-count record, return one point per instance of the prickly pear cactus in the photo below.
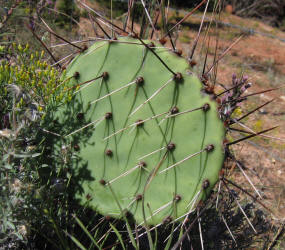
(153, 142)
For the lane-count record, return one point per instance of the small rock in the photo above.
(229, 9)
(263, 112)
(282, 98)
(273, 160)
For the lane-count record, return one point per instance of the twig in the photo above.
(279, 233)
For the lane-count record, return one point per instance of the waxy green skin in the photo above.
(190, 132)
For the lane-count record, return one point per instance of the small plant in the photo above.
(29, 88)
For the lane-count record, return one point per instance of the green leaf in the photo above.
(86, 231)
(10, 225)
(5, 157)
(19, 236)
(8, 166)
(118, 235)
(44, 166)
(77, 242)
(127, 223)
(23, 155)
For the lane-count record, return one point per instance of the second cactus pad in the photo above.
(153, 139)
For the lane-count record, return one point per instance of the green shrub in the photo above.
(29, 88)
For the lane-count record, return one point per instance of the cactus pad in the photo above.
(153, 138)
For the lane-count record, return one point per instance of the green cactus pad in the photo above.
(172, 158)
